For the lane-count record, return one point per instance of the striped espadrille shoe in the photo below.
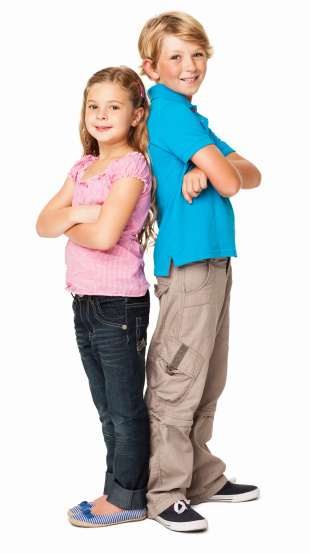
(87, 519)
(79, 507)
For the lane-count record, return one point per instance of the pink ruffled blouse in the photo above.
(118, 271)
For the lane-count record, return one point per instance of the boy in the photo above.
(187, 359)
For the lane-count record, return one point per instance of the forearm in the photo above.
(224, 176)
(88, 235)
(54, 223)
(250, 175)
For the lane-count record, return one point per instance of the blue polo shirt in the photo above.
(187, 232)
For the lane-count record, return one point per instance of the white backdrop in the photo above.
(255, 96)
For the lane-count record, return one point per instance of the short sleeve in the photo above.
(220, 144)
(177, 130)
(79, 166)
(133, 165)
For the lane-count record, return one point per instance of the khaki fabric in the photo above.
(186, 374)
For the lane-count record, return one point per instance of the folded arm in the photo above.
(223, 176)
(113, 218)
(251, 176)
(196, 180)
(59, 215)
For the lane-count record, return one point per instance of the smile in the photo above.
(102, 129)
(190, 79)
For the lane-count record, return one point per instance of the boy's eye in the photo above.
(113, 108)
(175, 57)
(198, 55)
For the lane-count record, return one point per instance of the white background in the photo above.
(256, 98)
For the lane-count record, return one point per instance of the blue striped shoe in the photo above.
(79, 507)
(87, 519)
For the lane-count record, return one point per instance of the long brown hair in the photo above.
(138, 137)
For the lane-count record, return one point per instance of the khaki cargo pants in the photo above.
(186, 374)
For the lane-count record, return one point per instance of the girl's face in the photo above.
(109, 114)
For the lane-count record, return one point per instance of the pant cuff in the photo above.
(108, 483)
(208, 491)
(155, 510)
(125, 499)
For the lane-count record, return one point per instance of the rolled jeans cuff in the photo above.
(122, 498)
(108, 483)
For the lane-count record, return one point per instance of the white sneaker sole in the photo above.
(237, 498)
(184, 526)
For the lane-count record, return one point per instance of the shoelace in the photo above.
(182, 504)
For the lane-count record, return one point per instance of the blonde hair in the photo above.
(179, 24)
(138, 137)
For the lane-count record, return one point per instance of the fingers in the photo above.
(186, 195)
(203, 181)
(193, 184)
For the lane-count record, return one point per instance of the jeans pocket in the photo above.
(141, 335)
(174, 371)
(110, 309)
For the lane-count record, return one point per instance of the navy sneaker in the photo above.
(180, 517)
(234, 493)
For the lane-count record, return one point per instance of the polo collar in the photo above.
(161, 91)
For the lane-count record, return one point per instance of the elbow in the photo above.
(39, 230)
(233, 187)
(43, 233)
(257, 179)
(104, 243)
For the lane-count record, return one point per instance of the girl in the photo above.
(102, 208)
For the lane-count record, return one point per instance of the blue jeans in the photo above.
(111, 336)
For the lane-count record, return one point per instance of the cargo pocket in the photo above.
(174, 371)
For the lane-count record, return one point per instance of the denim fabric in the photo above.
(111, 333)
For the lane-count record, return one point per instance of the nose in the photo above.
(101, 113)
(189, 64)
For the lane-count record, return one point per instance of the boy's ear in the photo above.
(150, 69)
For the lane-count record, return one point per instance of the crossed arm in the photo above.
(227, 174)
(92, 226)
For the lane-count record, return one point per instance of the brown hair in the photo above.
(179, 24)
(138, 137)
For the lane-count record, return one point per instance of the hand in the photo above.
(193, 183)
(86, 213)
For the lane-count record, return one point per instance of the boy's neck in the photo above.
(189, 98)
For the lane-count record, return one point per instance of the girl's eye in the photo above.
(113, 108)
(175, 57)
(198, 55)
(92, 107)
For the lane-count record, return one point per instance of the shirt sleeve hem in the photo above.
(227, 151)
(194, 148)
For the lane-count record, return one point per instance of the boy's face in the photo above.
(181, 66)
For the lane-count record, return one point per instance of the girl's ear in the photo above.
(150, 69)
(137, 117)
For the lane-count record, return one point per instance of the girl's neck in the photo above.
(114, 151)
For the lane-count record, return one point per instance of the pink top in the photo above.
(118, 271)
